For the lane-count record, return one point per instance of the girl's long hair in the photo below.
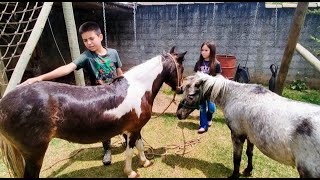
(212, 57)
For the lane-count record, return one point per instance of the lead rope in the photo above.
(178, 74)
(181, 148)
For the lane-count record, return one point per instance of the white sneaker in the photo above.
(209, 123)
(202, 130)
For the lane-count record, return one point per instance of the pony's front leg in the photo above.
(129, 154)
(249, 152)
(237, 142)
(128, 168)
(143, 160)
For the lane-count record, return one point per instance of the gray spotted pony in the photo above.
(285, 130)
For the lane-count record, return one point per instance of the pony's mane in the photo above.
(210, 83)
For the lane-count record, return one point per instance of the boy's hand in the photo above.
(29, 81)
(100, 81)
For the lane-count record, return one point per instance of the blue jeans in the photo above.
(207, 108)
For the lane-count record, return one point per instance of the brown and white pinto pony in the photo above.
(31, 116)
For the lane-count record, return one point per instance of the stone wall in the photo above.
(255, 35)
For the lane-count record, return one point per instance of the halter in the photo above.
(195, 106)
(179, 84)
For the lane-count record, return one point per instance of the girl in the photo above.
(208, 64)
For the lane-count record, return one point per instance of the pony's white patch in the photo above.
(140, 79)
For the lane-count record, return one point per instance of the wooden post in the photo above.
(73, 39)
(308, 56)
(293, 37)
(29, 47)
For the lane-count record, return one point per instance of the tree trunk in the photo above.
(73, 39)
(293, 37)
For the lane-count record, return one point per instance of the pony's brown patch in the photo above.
(259, 90)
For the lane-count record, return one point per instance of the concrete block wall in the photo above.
(256, 35)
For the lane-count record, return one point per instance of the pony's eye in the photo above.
(190, 97)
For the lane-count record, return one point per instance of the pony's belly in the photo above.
(84, 138)
(277, 151)
(87, 136)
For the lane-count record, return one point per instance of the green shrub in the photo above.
(299, 84)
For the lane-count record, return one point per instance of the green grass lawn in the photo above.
(166, 138)
(310, 96)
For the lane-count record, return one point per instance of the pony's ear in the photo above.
(181, 57)
(188, 81)
(190, 78)
(182, 54)
(197, 78)
(172, 50)
(199, 83)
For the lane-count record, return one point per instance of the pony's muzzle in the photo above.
(179, 90)
(182, 113)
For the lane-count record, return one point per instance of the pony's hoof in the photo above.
(234, 176)
(133, 174)
(246, 172)
(107, 158)
(147, 163)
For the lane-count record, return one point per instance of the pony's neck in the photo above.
(220, 100)
(224, 96)
(215, 88)
(148, 75)
(165, 74)
(157, 84)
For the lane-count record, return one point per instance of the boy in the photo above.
(102, 64)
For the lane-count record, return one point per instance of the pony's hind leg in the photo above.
(249, 152)
(143, 160)
(32, 169)
(33, 162)
(237, 142)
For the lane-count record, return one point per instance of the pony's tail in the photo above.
(12, 158)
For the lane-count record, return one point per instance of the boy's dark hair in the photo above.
(89, 26)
